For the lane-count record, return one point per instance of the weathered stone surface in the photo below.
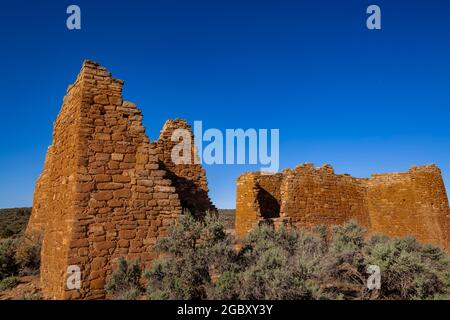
(103, 195)
(395, 204)
(100, 175)
(184, 176)
(117, 157)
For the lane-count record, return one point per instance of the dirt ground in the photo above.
(27, 289)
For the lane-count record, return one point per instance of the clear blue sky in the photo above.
(363, 101)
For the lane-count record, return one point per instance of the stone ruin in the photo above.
(106, 191)
(394, 204)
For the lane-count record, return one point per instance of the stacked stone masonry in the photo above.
(190, 178)
(394, 204)
(106, 191)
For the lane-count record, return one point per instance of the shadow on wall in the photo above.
(192, 197)
(268, 204)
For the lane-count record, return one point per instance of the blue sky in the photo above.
(363, 101)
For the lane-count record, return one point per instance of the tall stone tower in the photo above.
(106, 191)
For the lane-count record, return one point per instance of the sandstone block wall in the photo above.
(412, 203)
(396, 204)
(258, 199)
(318, 196)
(189, 179)
(106, 191)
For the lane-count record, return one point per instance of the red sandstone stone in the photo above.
(121, 179)
(97, 137)
(109, 186)
(97, 284)
(398, 204)
(101, 99)
(103, 195)
(117, 157)
(124, 193)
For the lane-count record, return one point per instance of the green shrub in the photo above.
(19, 257)
(8, 263)
(200, 263)
(410, 270)
(341, 271)
(276, 265)
(13, 222)
(31, 296)
(124, 282)
(6, 233)
(196, 252)
(8, 283)
(28, 256)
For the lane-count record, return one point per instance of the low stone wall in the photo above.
(395, 204)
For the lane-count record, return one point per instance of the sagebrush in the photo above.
(200, 262)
